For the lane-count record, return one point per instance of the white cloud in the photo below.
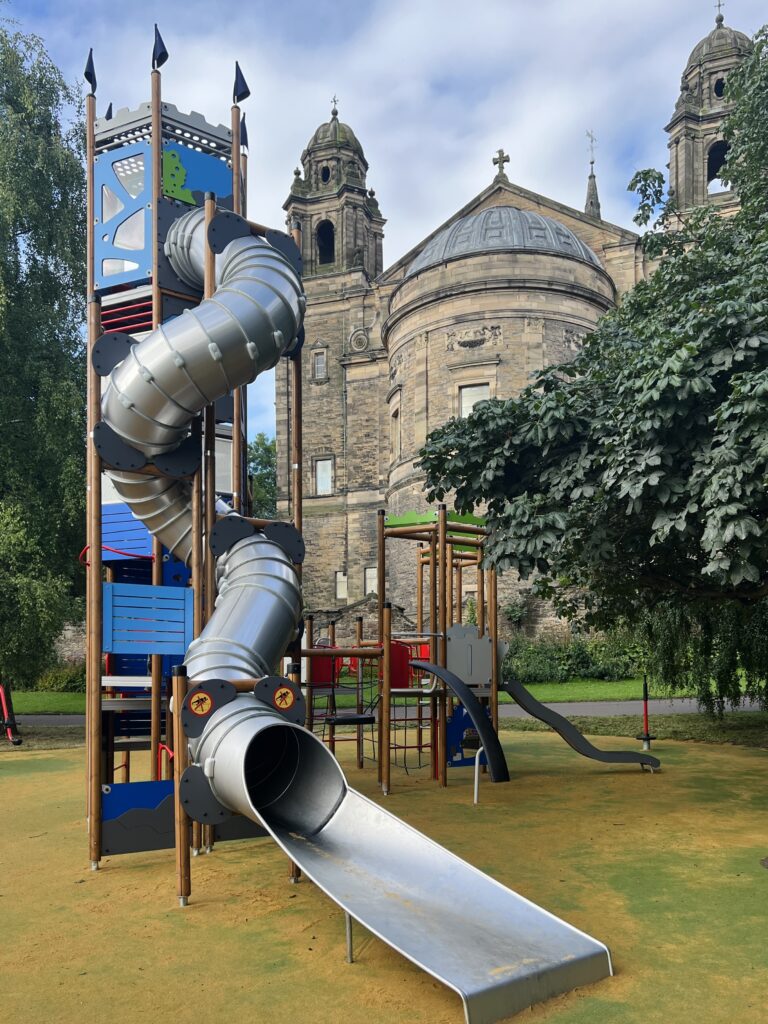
(432, 89)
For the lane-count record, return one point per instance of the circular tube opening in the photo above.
(293, 782)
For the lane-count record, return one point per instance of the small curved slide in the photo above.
(570, 733)
(497, 764)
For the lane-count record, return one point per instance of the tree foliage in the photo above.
(262, 469)
(42, 378)
(632, 481)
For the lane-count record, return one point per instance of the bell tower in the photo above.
(697, 150)
(342, 226)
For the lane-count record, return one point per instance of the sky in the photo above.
(432, 88)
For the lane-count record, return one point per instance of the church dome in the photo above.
(335, 133)
(722, 41)
(502, 228)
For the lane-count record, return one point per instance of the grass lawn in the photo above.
(32, 702)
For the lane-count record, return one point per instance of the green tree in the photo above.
(262, 469)
(632, 481)
(42, 408)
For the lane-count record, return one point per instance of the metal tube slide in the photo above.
(196, 358)
(497, 950)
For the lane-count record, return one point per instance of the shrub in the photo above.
(598, 656)
(63, 679)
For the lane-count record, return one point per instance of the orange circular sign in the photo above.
(284, 698)
(201, 703)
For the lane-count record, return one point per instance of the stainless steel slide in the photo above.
(496, 949)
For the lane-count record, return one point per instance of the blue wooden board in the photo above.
(141, 619)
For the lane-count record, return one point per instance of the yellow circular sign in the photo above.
(200, 703)
(284, 698)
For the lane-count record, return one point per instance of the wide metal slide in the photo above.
(493, 947)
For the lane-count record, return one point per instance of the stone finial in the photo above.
(500, 159)
(592, 205)
(334, 108)
(719, 19)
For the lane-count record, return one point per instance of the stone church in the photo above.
(510, 283)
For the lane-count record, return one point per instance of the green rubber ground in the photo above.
(666, 869)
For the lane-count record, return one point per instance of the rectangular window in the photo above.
(397, 449)
(470, 395)
(320, 364)
(323, 476)
(371, 580)
(341, 586)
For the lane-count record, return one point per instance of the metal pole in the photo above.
(348, 923)
(477, 774)
(183, 870)
(386, 699)
(94, 599)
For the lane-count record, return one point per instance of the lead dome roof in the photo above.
(502, 228)
(721, 41)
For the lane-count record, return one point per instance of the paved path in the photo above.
(589, 709)
(610, 708)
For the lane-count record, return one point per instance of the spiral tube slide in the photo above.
(497, 950)
(152, 397)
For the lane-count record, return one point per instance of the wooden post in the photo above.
(237, 395)
(381, 575)
(359, 689)
(449, 578)
(309, 640)
(442, 612)
(156, 661)
(493, 623)
(385, 708)
(433, 646)
(458, 590)
(183, 871)
(197, 600)
(480, 595)
(94, 599)
(419, 589)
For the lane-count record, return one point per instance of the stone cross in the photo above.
(501, 158)
(719, 6)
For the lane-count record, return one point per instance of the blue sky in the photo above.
(432, 89)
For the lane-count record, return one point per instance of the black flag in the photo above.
(241, 90)
(90, 72)
(108, 115)
(159, 53)
(243, 133)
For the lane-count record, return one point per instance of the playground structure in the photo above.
(188, 302)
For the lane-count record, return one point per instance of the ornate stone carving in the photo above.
(534, 323)
(358, 340)
(472, 337)
(573, 339)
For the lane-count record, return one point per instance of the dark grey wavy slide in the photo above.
(570, 733)
(494, 755)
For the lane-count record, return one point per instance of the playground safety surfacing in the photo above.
(665, 869)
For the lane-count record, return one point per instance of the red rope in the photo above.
(115, 551)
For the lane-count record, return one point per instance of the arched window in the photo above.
(326, 247)
(715, 160)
